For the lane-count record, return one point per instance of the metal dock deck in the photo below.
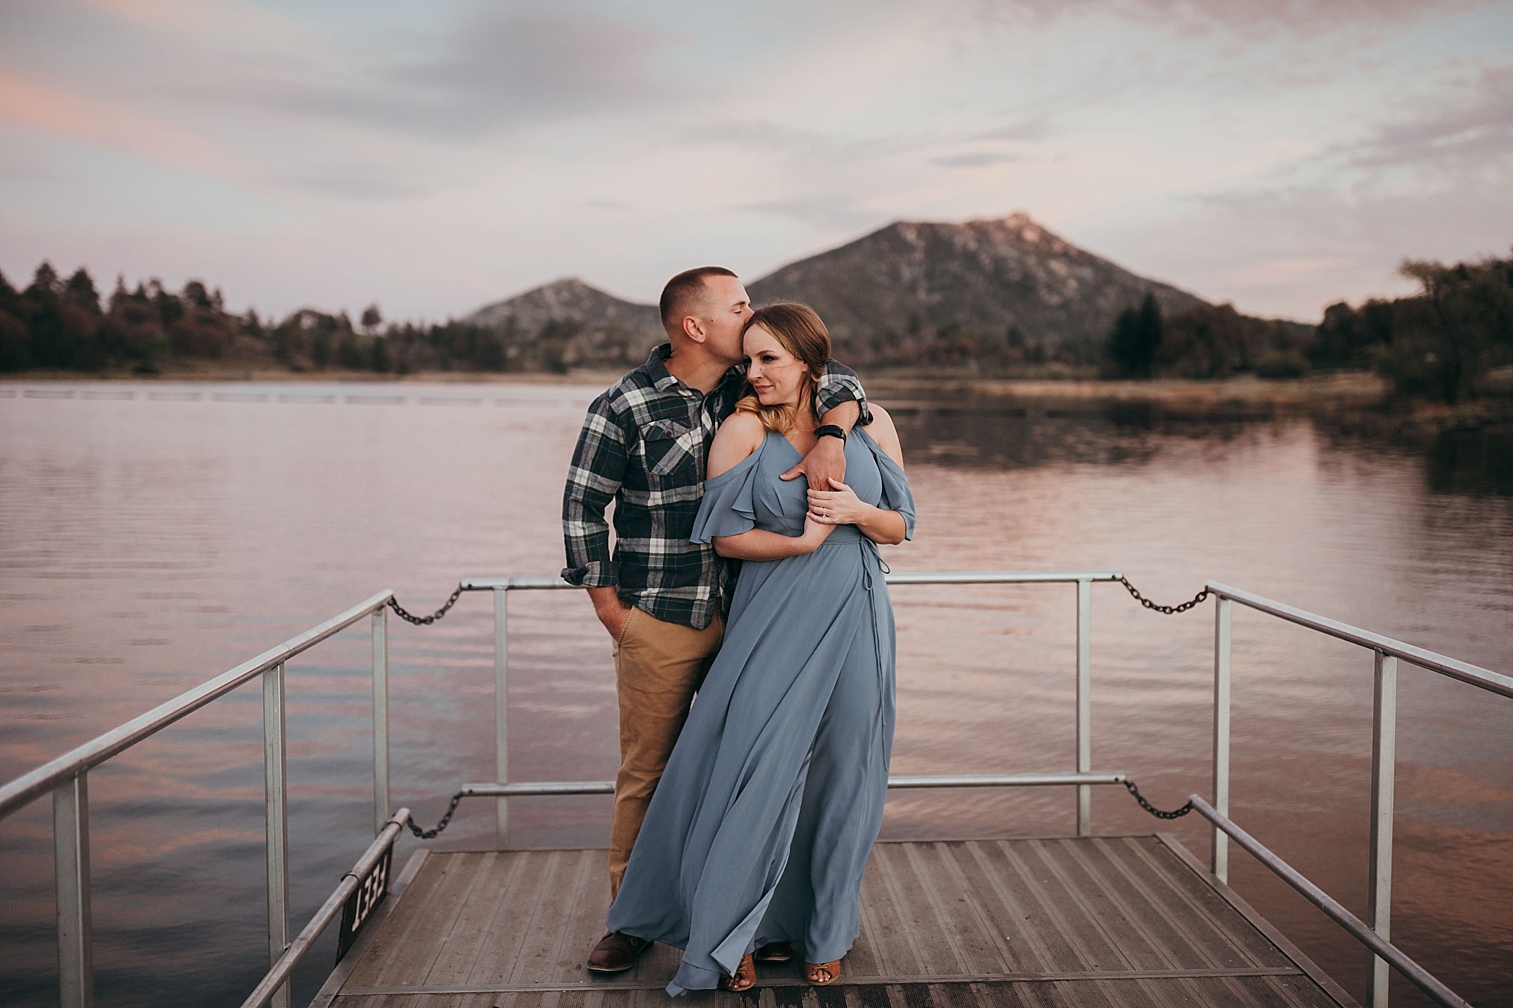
(1112, 921)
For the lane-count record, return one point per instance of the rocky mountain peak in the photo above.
(913, 280)
(896, 295)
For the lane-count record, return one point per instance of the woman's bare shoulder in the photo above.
(739, 435)
(884, 433)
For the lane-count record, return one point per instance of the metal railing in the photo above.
(1387, 651)
(67, 777)
(1083, 779)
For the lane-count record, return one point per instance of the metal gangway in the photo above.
(363, 888)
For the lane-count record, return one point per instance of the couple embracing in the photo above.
(741, 824)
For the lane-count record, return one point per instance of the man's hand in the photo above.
(611, 611)
(826, 461)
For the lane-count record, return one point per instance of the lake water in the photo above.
(153, 535)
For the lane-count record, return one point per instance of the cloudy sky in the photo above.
(1282, 154)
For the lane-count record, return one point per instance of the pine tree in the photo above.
(1136, 337)
(80, 290)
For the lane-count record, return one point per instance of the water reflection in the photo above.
(1009, 433)
(1018, 434)
(1472, 462)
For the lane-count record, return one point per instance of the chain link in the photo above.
(1168, 609)
(430, 834)
(1129, 786)
(399, 610)
(403, 614)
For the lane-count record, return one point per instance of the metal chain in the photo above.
(428, 620)
(430, 834)
(1129, 786)
(1168, 609)
(446, 819)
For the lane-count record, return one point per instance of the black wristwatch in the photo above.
(830, 430)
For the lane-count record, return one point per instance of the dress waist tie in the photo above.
(871, 556)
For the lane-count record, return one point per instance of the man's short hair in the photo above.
(683, 288)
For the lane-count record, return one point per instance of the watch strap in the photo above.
(830, 430)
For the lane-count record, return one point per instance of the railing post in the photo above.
(501, 716)
(1223, 615)
(380, 719)
(1084, 703)
(76, 968)
(275, 793)
(1383, 778)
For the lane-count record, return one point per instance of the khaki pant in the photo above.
(658, 667)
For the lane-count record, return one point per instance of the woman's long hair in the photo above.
(799, 329)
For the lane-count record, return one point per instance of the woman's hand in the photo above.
(839, 506)
(815, 532)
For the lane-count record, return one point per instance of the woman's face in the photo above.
(776, 375)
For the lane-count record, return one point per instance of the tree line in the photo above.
(59, 324)
(1437, 344)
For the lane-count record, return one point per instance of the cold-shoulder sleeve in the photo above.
(896, 493)
(728, 507)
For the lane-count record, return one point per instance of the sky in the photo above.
(431, 158)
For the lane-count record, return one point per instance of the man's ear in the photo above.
(693, 328)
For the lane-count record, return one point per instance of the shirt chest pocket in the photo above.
(672, 451)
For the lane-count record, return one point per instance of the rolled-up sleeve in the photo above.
(840, 384)
(592, 480)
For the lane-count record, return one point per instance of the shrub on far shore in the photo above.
(1282, 364)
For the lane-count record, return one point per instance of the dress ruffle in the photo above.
(896, 493)
(729, 505)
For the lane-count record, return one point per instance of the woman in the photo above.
(762, 823)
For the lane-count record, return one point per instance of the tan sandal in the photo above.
(821, 974)
(744, 977)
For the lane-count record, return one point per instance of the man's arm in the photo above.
(839, 400)
(597, 469)
(839, 384)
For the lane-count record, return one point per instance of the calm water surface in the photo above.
(154, 535)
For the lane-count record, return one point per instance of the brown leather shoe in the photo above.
(775, 952)
(616, 952)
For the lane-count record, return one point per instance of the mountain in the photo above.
(568, 299)
(567, 323)
(915, 293)
(913, 288)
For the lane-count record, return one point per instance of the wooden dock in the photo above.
(1108, 921)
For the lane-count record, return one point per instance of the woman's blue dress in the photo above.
(763, 821)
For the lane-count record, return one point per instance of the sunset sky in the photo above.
(1282, 154)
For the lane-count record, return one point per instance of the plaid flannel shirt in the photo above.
(645, 445)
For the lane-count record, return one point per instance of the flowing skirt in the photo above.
(763, 821)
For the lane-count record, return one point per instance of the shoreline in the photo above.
(1355, 403)
(1352, 387)
(1357, 388)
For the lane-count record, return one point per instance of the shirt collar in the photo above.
(663, 380)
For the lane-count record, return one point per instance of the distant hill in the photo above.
(908, 291)
(987, 293)
(570, 299)
(567, 323)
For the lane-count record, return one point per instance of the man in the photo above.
(644, 446)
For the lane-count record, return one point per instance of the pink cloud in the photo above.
(34, 105)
